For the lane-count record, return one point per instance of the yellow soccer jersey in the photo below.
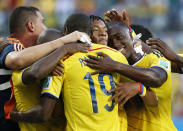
(85, 96)
(180, 55)
(154, 118)
(28, 97)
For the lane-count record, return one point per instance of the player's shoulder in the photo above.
(17, 45)
(156, 54)
(102, 47)
(114, 54)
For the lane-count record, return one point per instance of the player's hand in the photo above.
(74, 37)
(114, 15)
(58, 70)
(76, 47)
(102, 63)
(158, 44)
(124, 92)
(4, 43)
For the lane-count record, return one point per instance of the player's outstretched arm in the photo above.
(18, 60)
(45, 66)
(40, 113)
(126, 90)
(160, 45)
(176, 60)
(153, 77)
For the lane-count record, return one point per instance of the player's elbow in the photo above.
(30, 76)
(157, 82)
(14, 61)
(155, 79)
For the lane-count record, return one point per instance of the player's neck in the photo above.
(134, 57)
(26, 40)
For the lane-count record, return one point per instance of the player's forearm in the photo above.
(179, 60)
(26, 57)
(43, 67)
(148, 76)
(150, 98)
(33, 115)
(39, 113)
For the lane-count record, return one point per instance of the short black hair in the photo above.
(94, 17)
(116, 23)
(146, 33)
(78, 22)
(19, 18)
(49, 35)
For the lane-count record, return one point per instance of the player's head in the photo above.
(78, 22)
(49, 35)
(26, 20)
(146, 34)
(119, 38)
(99, 30)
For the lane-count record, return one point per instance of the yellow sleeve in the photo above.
(157, 60)
(52, 86)
(17, 78)
(180, 55)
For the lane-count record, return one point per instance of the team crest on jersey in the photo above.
(164, 63)
(46, 84)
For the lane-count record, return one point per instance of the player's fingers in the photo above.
(102, 54)
(115, 12)
(157, 48)
(93, 57)
(107, 13)
(107, 19)
(60, 65)
(152, 41)
(124, 14)
(124, 101)
(112, 15)
(113, 90)
(54, 73)
(58, 71)
(120, 99)
(92, 61)
(114, 96)
(92, 65)
(118, 83)
(161, 43)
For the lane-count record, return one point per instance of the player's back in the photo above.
(148, 117)
(85, 96)
(27, 97)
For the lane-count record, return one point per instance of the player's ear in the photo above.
(65, 30)
(30, 26)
